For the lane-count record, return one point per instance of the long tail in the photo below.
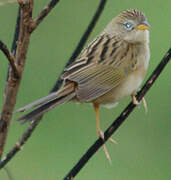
(47, 103)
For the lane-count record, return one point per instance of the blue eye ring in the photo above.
(128, 25)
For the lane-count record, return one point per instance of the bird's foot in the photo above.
(134, 100)
(101, 135)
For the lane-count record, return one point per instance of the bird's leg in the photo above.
(134, 100)
(100, 132)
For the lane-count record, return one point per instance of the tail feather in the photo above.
(39, 102)
(48, 103)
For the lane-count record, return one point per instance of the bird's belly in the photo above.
(130, 85)
(126, 88)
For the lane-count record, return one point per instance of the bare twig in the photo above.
(16, 33)
(13, 50)
(116, 124)
(10, 58)
(15, 39)
(43, 14)
(13, 84)
(18, 146)
(31, 128)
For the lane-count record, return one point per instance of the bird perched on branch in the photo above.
(111, 67)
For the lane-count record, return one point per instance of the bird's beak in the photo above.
(143, 26)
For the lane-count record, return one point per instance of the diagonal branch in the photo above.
(10, 58)
(43, 14)
(116, 124)
(33, 125)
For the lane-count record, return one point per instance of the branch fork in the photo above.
(11, 59)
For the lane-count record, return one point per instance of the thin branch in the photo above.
(15, 39)
(13, 50)
(16, 33)
(82, 41)
(10, 58)
(18, 146)
(116, 124)
(33, 125)
(43, 14)
(13, 84)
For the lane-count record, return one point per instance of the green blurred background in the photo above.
(143, 151)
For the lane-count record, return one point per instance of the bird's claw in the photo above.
(134, 100)
(101, 135)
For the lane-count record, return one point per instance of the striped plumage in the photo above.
(107, 59)
(105, 50)
(112, 66)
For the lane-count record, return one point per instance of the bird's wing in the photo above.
(101, 67)
(95, 81)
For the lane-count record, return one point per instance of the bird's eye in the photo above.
(128, 25)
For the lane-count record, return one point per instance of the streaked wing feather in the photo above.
(96, 81)
(100, 67)
(89, 55)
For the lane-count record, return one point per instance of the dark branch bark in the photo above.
(13, 84)
(16, 33)
(15, 38)
(11, 59)
(116, 124)
(31, 128)
(43, 14)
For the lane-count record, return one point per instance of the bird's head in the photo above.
(131, 25)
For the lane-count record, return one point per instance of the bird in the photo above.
(111, 67)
